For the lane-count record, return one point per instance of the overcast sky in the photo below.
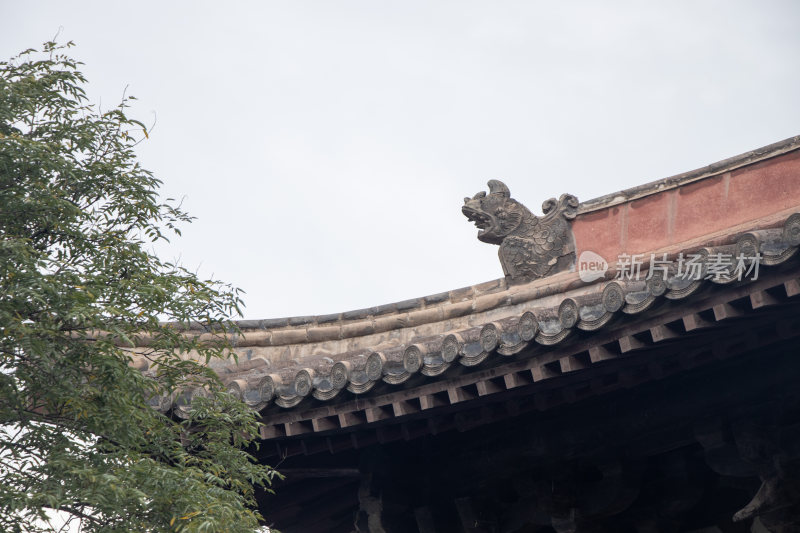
(326, 147)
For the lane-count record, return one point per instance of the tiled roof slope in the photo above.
(744, 205)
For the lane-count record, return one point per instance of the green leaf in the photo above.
(79, 289)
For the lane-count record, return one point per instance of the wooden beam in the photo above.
(725, 311)
(378, 413)
(694, 322)
(600, 353)
(459, 394)
(429, 401)
(630, 343)
(662, 333)
(762, 299)
(792, 288)
(272, 432)
(542, 372)
(325, 424)
(571, 363)
(297, 428)
(512, 380)
(487, 387)
(404, 407)
(352, 419)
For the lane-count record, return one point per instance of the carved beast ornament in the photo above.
(531, 247)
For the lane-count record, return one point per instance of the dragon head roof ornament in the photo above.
(531, 247)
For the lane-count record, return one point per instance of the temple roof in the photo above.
(328, 372)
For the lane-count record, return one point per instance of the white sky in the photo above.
(326, 147)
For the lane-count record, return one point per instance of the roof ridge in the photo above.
(691, 176)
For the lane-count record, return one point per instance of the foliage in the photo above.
(79, 289)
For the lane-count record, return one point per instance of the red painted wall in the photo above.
(667, 219)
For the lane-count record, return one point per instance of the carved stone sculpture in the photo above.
(531, 247)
